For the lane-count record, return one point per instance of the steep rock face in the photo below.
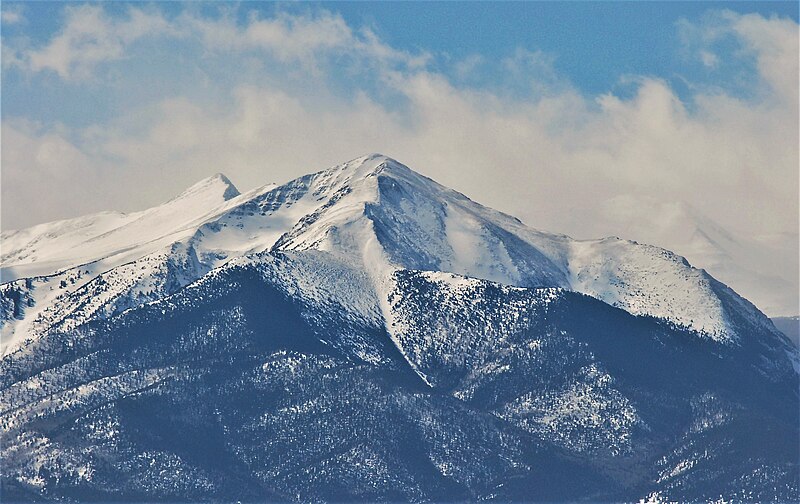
(256, 346)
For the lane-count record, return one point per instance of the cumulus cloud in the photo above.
(558, 159)
(770, 42)
(773, 42)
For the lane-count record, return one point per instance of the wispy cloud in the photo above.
(91, 37)
(709, 59)
(770, 42)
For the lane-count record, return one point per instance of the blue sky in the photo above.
(593, 45)
(593, 42)
(121, 105)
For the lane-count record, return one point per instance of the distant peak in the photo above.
(221, 178)
(215, 186)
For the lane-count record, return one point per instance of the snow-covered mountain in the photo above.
(287, 326)
(764, 268)
(373, 210)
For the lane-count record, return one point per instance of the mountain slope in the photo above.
(790, 326)
(48, 248)
(763, 268)
(274, 378)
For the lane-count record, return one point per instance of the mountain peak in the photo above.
(371, 166)
(375, 156)
(214, 187)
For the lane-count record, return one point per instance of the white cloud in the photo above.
(649, 142)
(709, 59)
(12, 15)
(467, 66)
(773, 42)
(308, 39)
(91, 37)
